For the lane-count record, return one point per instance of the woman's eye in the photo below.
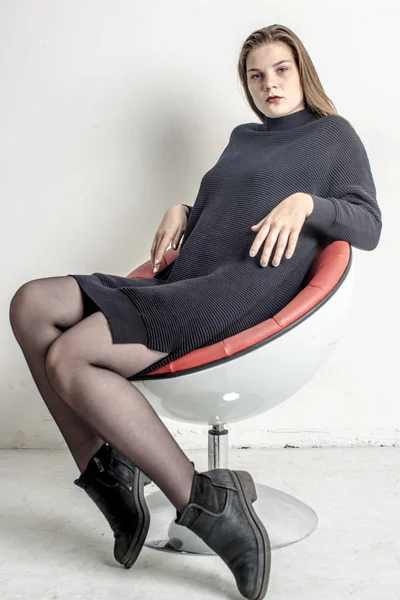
(280, 69)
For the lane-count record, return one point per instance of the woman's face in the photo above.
(271, 79)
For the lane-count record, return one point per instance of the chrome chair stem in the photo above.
(217, 447)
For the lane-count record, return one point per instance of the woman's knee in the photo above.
(61, 362)
(56, 300)
(21, 305)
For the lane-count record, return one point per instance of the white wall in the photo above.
(112, 110)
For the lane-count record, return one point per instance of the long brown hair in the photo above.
(314, 95)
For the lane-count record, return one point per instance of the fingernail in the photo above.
(275, 263)
(252, 253)
(155, 269)
(157, 261)
(263, 264)
(288, 255)
(174, 246)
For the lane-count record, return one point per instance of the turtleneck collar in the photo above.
(286, 122)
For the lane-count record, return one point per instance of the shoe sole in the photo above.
(136, 545)
(247, 492)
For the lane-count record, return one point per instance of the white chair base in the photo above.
(286, 519)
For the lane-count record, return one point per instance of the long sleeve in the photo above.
(189, 207)
(351, 212)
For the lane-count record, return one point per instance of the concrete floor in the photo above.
(56, 545)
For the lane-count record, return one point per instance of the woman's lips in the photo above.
(273, 100)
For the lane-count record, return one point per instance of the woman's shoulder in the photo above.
(342, 133)
(337, 123)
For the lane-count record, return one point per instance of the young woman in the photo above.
(281, 187)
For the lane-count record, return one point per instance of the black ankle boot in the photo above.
(116, 485)
(221, 513)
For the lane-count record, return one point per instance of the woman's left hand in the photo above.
(284, 221)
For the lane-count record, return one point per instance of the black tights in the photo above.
(82, 377)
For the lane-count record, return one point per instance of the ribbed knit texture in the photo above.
(214, 289)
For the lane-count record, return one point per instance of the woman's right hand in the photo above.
(171, 230)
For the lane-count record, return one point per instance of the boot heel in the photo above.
(247, 483)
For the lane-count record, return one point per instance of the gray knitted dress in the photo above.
(215, 289)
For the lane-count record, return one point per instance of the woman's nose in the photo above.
(269, 83)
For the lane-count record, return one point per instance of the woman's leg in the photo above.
(39, 313)
(90, 373)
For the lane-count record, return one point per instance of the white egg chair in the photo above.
(244, 376)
